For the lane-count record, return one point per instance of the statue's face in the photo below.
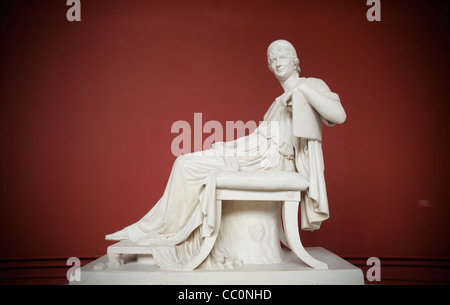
(281, 63)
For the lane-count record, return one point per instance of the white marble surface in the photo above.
(290, 272)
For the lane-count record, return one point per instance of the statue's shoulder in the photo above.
(315, 83)
(312, 80)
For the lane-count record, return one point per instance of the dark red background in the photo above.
(87, 108)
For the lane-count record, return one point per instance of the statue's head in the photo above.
(282, 53)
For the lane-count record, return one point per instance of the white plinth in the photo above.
(291, 272)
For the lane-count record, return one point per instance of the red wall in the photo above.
(87, 108)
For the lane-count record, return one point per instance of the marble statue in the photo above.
(289, 139)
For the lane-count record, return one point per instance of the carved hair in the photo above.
(284, 45)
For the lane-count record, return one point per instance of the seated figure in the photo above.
(289, 139)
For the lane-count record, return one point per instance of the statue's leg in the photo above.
(182, 192)
(290, 222)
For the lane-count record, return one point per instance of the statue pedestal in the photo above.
(292, 271)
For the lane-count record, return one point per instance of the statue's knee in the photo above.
(180, 160)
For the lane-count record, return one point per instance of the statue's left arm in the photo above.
(326, 103)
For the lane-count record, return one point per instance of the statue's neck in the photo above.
(290, 83)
